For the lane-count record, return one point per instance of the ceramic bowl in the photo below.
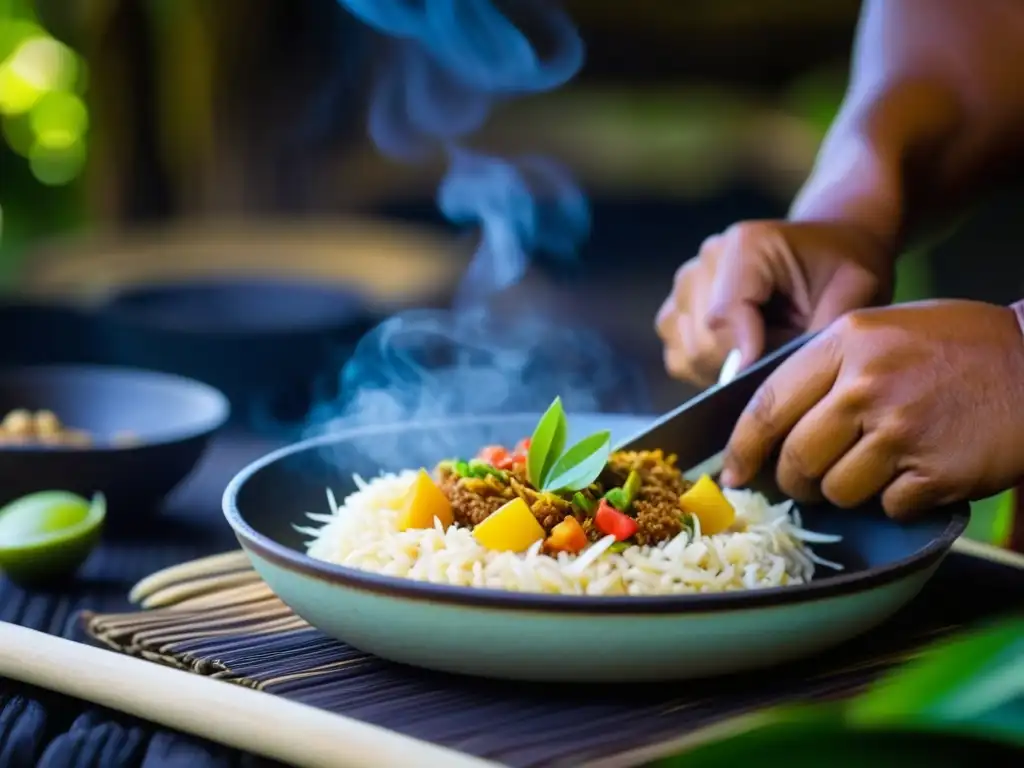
(267, 343)
(170, 420)
(554, 637)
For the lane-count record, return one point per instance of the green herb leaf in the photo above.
(546, 444)
(622, 498)
(632, 485)
(588, 506)
(617, 498)
(580, 465)
(481, 469)
(461, 468)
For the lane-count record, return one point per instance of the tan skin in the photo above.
(920, 404)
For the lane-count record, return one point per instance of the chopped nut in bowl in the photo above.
(132, 435)
(24, 427)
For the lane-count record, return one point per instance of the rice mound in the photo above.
(766, 547)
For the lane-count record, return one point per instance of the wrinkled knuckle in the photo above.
(840, 328)
(858, 395)
(745, 235)
(793, 463)
(830, 342)
(901, 429)
(849, 326)
(761, 409)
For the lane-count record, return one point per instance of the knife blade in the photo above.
(698, 431)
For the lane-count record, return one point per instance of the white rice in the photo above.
(766, 547)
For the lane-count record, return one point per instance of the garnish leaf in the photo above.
(580, 465)
(617, 498)
(481, 469)
(622, 498)
(546, 444)
(587, 506)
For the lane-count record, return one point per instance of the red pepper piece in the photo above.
(520, 452)
(611, 522)
(496, 455)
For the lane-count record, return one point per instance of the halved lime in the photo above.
(47, 536)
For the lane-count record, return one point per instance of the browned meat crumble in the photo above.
(656, 507)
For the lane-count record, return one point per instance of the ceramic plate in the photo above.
(556, 637)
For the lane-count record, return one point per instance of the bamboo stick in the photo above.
(246, 719)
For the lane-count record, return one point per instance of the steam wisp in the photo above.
(449, 62)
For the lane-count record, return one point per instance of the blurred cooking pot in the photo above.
(267, 313)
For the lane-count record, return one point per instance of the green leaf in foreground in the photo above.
(580, 465)
(973, 682)
(546, 444)
(960, 703)
(802, 736)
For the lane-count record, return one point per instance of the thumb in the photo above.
(734, 309)
(849, 289)
(743, 326)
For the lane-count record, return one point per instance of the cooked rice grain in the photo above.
(767, 547)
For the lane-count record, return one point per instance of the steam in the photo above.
(452, 60)
(520, 207)
(448, 63)
(423, 364)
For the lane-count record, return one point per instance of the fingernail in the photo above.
(728, 477)
(730, 367)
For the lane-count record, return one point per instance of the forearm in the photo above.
(934, 115)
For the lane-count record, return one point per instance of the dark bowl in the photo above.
(495, 633)
(170, 418)
(272, 345)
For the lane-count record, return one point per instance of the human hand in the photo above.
(813, 272)
(921, 403)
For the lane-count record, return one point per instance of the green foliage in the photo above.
(963, 699)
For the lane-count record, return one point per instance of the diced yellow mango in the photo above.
(511, 528)
(708, 504)
(424, 502)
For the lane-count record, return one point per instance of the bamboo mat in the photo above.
(215, 617)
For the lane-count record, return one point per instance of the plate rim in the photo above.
(476, 597)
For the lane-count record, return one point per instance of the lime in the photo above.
(46, 536)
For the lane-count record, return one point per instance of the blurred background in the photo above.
(147, 142)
